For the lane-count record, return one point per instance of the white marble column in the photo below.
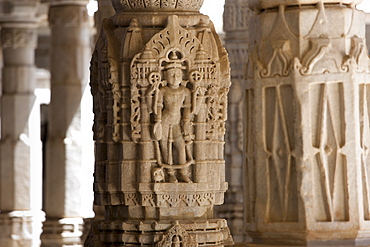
(308, 125)
(65, 199)
(20, 146)
(236, 23)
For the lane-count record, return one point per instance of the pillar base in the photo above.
(233, 213)
(213, 232)
(21, 228)
(62, 232)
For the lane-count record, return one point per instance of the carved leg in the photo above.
(171, 176)
(184, 176)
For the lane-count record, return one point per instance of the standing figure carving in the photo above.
(172, 128)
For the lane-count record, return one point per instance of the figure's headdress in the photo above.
(174, 61)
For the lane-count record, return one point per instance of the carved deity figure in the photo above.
(172, 117)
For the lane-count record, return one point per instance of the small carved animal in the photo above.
(158, 175)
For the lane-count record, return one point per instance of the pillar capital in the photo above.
(68, 2)
(267, 4)
(18, 38)
(68, 15)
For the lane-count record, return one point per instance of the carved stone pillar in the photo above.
(65, 170)
(105, 10)
(20, 146)
(307, 124)
(159, 79)
(236, 23)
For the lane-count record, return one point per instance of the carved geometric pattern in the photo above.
(279, 62)
(365, 145)
(329, 164)
(281, 165)
(200, 199)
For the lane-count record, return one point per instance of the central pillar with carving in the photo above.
(307, 174)
(159, 78)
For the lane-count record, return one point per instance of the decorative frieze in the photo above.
(18, 38)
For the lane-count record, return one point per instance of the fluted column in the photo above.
(307, 116)
(20, 146)
(65, 200)
(236, 22)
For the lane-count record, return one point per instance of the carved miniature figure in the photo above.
(172, 122)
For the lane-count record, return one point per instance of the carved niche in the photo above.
(177, 83)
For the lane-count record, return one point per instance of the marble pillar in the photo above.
(20, 145)
(307, 124)
(236, 23)
(65, 196)
(159, 78)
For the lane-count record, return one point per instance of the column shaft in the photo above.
(236, 22)
(65, 173)
(307, 122)
(20, 146)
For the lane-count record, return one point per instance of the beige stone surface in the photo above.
(160, 82)
(307, 126)
(20, 145)
(66, 172)
(236, 25)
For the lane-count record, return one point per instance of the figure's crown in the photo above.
(174, 61)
